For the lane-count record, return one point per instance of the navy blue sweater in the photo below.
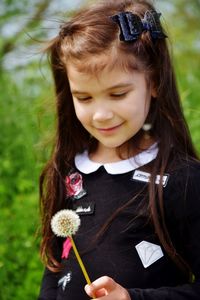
(151, 276)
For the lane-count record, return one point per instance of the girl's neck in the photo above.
(108, 155)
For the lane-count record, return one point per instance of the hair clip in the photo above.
(131, 26)
(151, 22)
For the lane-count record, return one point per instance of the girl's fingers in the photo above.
(106, 288)
(100, 293)
(101, 287)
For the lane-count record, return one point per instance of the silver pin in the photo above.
(65, 280)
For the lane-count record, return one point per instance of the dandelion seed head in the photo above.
(65, 223)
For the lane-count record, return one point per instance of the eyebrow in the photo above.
(120, 85)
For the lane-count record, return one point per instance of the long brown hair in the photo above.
(91, 33)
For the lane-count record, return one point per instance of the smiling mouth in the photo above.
(110, 129)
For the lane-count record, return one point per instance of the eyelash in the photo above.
(83, 99)
(118, 95)
(112, 96)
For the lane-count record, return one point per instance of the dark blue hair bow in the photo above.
(131, 26)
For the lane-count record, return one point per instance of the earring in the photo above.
(147, 127)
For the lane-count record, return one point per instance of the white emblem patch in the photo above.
(148, 253)
(65, 280)
(145, 177)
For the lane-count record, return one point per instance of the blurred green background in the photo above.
(27, 120)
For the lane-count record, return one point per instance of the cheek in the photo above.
(138, 110)
(81, 113)
(144, 104)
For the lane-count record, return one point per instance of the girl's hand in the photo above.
(105, 288)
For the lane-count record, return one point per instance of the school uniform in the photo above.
(129, 251)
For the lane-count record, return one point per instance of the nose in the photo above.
(102, 114)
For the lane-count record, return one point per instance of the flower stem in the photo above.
(80, 262)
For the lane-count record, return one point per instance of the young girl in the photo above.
(123, 160)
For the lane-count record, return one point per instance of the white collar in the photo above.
(87, 166)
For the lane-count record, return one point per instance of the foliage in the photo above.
(23, 105)
(27, 127)
(20, 269)
(185, 38)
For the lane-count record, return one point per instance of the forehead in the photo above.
(104, 62)
(106, 79)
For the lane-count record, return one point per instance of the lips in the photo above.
(109, 129)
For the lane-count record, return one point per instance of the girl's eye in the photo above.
(82, 99)
(120, 95)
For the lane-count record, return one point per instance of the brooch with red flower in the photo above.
(74, 185)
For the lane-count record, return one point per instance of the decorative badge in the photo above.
(65, 280)
(87, 208)
(145, 177)
(148, 253)
(74, 186)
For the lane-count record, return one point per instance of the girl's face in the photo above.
(111, 106)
